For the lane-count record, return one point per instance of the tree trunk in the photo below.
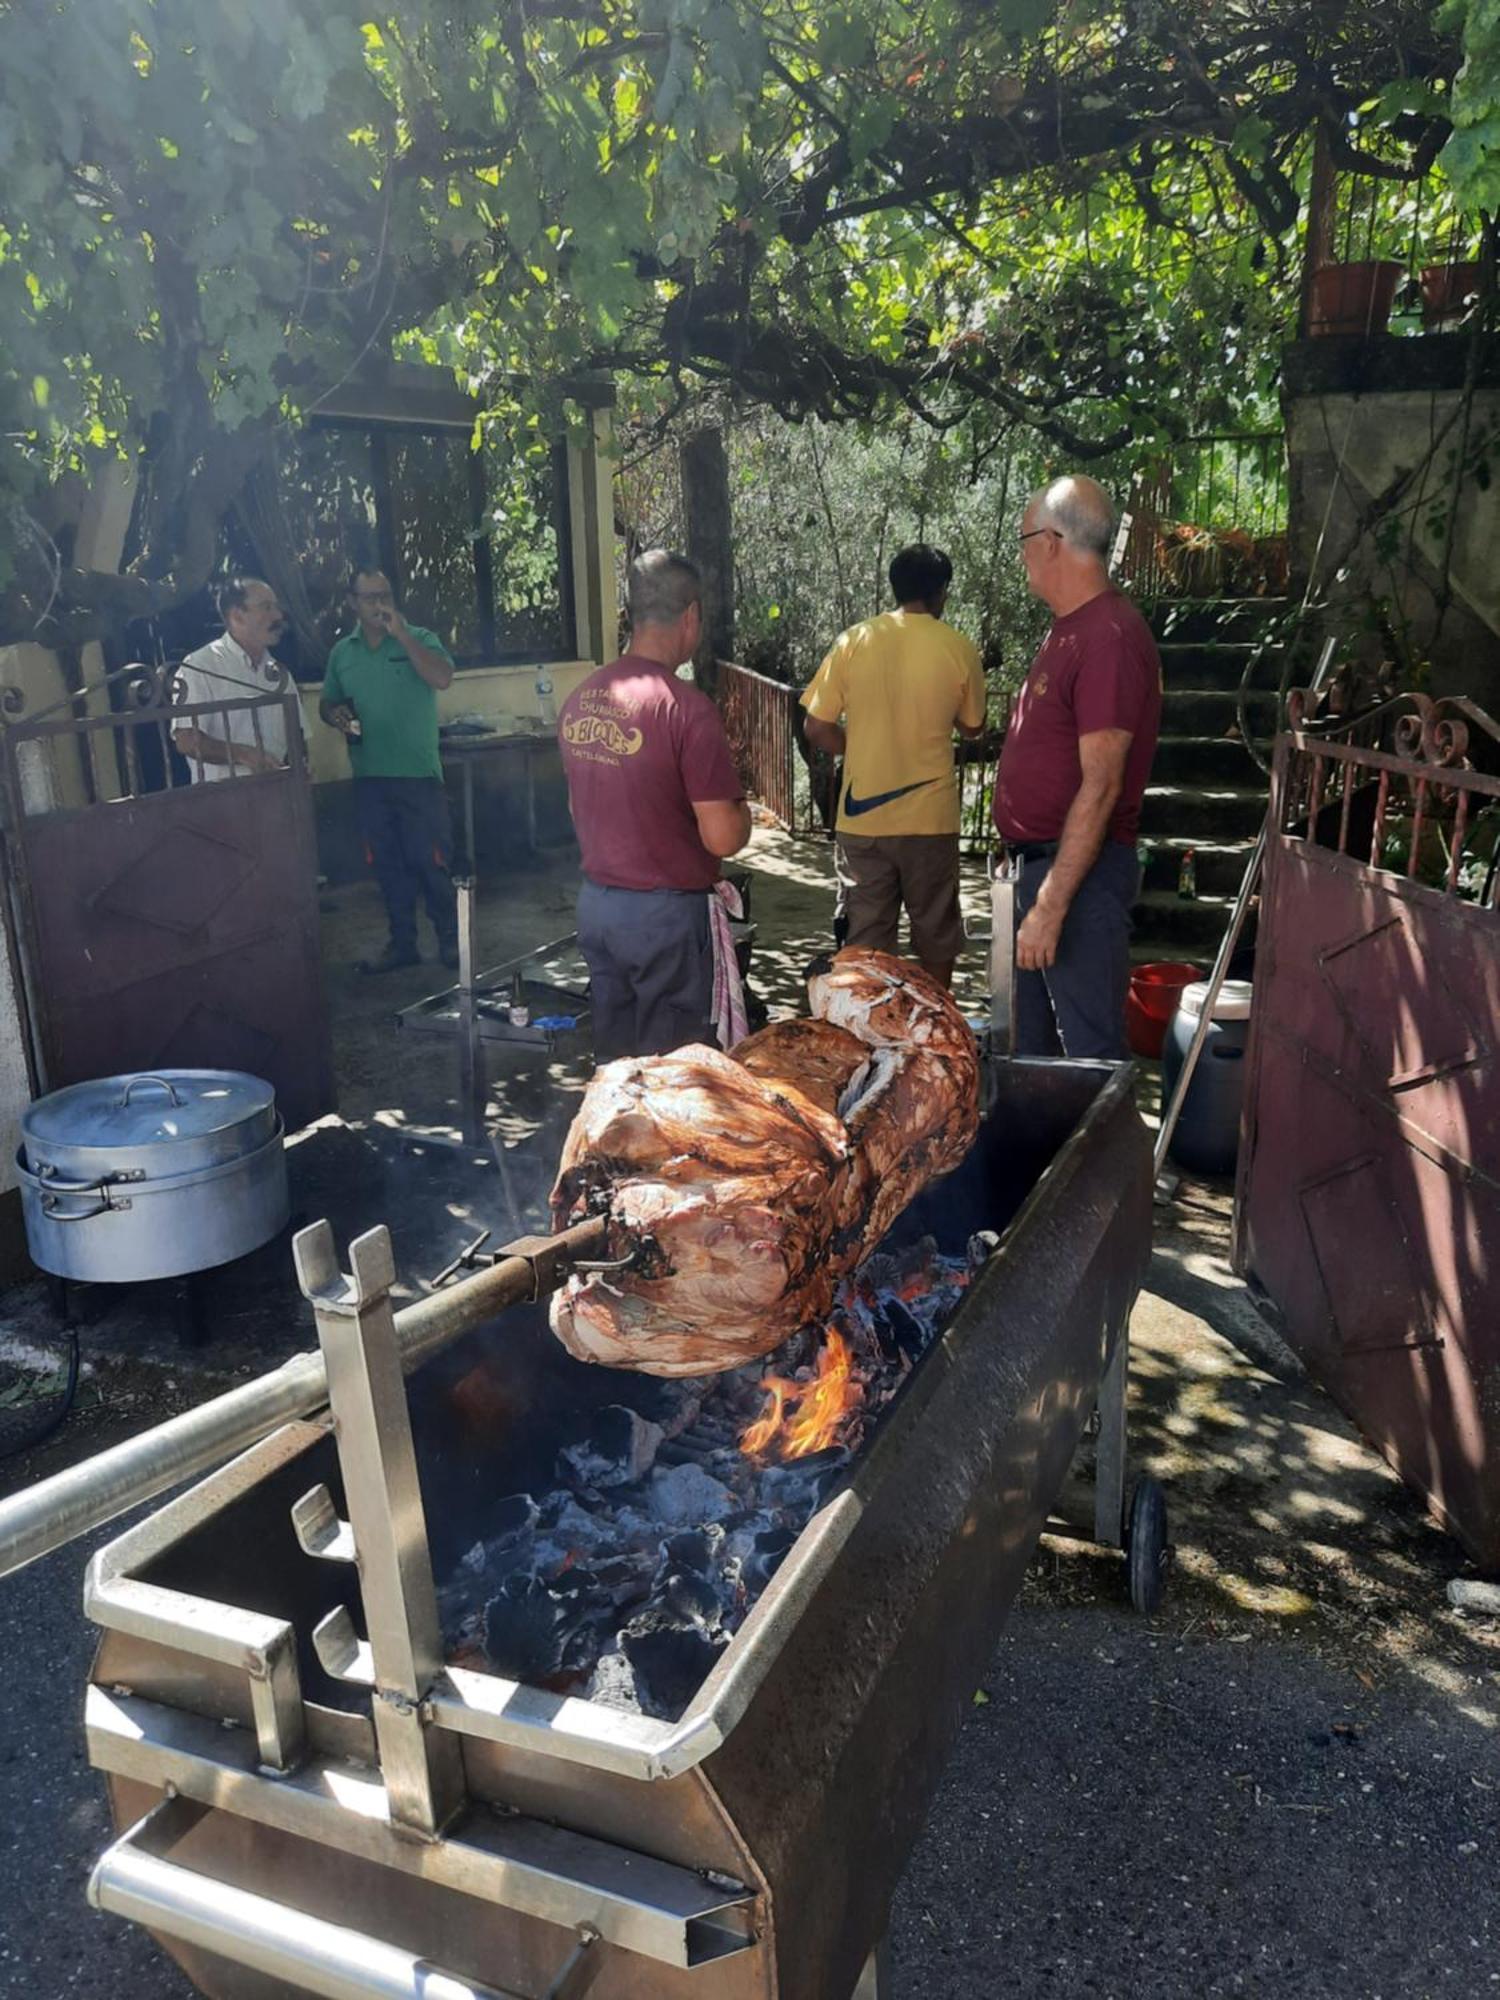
(1322, 200)
(710, 544)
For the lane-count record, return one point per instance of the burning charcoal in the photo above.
(765, 1558)
(613, 1684)
(531, 1625)
(512, 1519)
(673, 1642)
(624, 1579)
(698, 1549)
(982, 1246)
(567, 1531)
(901, 1328)
(682, 1496)
(669, 1665)
(800, 1486)
(620, 1448)
(482, 1567)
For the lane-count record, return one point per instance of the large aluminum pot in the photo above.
(152, 1176)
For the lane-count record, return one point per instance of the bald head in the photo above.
(1078, 509)
(1065, 536)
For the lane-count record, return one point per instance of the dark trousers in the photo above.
(1077, 1006)
(651, 969)
(408, 836)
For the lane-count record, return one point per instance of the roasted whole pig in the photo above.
(747, 1184)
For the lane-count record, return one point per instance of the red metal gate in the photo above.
(175, 926)
(1369, 1196)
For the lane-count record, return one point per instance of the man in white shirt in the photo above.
(232, 669)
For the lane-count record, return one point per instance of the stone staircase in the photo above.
(1206, 791)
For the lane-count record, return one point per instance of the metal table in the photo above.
(461, 752)
(476, 1013)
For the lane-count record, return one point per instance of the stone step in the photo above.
(1201, 665)
(1218, 865)
(1177, 929)
(1191, 813)
(1211, 711)
(1204, 760)
(1176, 619)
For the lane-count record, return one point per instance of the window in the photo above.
(476, 544)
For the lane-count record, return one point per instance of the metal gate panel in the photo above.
(1369, 1195)
(167, 927)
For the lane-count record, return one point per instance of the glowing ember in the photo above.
(804, 1417)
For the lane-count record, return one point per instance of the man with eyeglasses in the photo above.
(381, 690)
(1072, 774)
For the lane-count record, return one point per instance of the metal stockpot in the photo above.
(153, 1176)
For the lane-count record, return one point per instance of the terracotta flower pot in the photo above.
(1353, 298)
(1448, 290)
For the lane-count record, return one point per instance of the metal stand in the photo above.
(1003, 885)
(386, 1534)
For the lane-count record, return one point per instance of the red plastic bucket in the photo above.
(1152, 1001)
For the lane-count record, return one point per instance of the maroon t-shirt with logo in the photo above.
(1098, 668)
(640, 748)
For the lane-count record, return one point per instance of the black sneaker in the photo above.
(448, 953)
(390, 960)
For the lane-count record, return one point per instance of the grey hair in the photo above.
(233, 594)
(661, 587)
(1080, 511)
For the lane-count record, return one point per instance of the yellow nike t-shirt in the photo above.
(899, 683)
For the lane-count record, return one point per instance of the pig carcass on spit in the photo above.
(749, 1183)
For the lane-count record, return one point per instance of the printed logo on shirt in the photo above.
(854, 807)
(601, 732)
(1041, 686)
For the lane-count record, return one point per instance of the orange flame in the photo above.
(818, 1408)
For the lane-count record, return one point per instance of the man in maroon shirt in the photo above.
(1072, 774)
(656, 802)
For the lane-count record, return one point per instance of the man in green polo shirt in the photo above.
(380, 689)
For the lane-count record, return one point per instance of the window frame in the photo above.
(378, 432)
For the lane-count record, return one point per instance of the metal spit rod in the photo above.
(56, 1511)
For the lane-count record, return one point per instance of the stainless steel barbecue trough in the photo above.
(312, 1797)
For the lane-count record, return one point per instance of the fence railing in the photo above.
(761, 720)
(1209, 519)
(1396, 789)
(798, 785)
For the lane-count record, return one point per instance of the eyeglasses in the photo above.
(373, 597)
(1032, 533)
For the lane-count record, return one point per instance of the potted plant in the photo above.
(1449, 292)
(1353, 298)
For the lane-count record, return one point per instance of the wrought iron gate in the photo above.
(1369, 1196)
(162, 924)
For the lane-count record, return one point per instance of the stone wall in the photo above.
(1382, 510)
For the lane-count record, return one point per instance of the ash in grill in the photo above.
(671, 1514)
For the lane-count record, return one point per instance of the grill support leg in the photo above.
(875, 1980)
(1109, 1458)
(421, 1764)
(473, 1083)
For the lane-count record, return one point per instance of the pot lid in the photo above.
(147, 1109)
(1233, 1003)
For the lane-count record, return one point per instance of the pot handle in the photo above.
(161, 1083)
(51, 1186)
(55, 1214)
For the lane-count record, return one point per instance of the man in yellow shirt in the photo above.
(887, 700)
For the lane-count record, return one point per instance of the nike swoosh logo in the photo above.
(854, 807)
